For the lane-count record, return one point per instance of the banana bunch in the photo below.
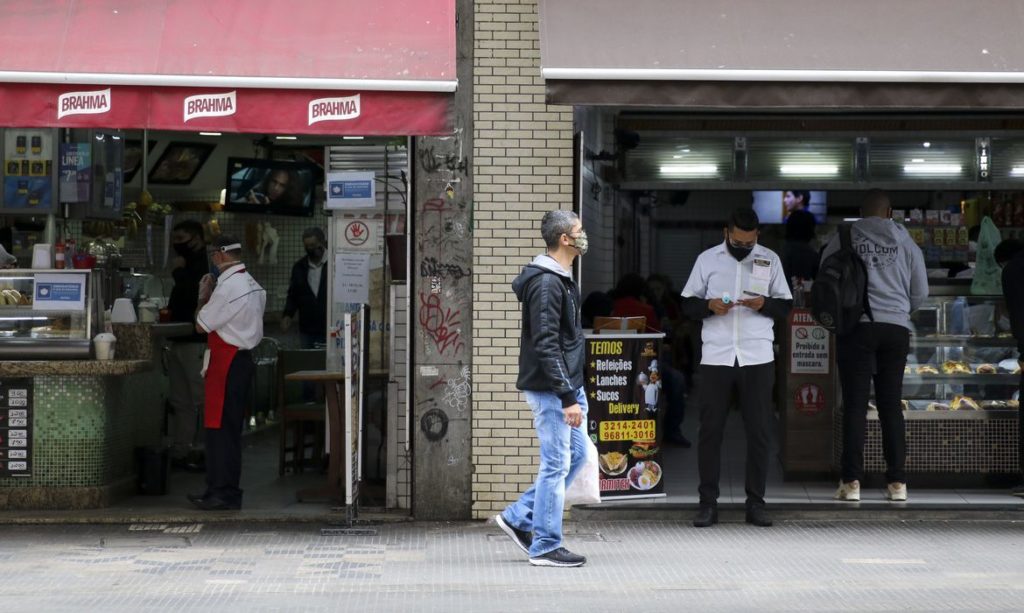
(12, 297)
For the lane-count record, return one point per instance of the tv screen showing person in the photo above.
(270, 186)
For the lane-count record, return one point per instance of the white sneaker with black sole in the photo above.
(560, 557)
(521, 538)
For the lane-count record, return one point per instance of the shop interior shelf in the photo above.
(963, 341)
(961, 379)
(955, 415)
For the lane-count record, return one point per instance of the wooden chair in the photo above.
(302, 420)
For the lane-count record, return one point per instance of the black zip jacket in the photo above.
(551, 345)
(312, 309)
(184, 299)
(1013, 291)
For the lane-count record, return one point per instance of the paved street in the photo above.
(636, 566)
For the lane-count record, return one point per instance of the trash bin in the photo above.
(154, 467)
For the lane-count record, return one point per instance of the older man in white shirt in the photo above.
(738, 289)
(231, 306)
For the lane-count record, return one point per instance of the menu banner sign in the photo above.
(626, 408)
(15, 428)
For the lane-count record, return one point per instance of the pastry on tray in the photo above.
(927, 369)
(954, 367)
(986, 369)
(937, 406)
(964, 403)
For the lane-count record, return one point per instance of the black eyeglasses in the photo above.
(741, 245)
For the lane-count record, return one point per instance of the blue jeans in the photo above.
(563, 450)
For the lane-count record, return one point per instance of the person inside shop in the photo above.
(1011, 257)
(596, 304)
(307, 291)
(185, 360)
(738, 332)
(279, 186)
(799, 255)
(795, 200)
(631, 300)
(876, 351)
(231, 307)
(551, 359)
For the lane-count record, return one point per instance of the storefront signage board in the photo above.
(28, 170)
(809, 345)
(75, 171)
(16, 427)
(59, 292)
(625, 395)
(351, 190)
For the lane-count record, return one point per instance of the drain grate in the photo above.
(167, 528)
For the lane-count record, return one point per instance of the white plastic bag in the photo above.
(585, 488)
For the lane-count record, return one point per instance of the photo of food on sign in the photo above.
(623, 384)
(644, 475)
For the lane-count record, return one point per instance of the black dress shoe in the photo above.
(216, 504)
(678, 440)
(194, 498)
(706, 516)
(758, 517)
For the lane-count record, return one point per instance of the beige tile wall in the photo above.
(522, 166)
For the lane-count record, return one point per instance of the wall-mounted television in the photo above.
(774, 207)
(270, 186)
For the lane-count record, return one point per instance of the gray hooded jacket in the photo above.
(551, 346)
(897, 278)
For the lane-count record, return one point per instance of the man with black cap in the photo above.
(231, 314)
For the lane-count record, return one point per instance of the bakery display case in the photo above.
(963, 361)
(46, 314)
(959, 392)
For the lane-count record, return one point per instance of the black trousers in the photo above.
(754, 390)
(224, 444)
(1020, 428)
(878, 352)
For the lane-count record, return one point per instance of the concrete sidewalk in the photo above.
(633, 565)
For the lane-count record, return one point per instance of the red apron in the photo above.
(221, 355)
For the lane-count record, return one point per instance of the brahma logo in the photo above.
(210, 105)
(333, 109)
(83, 103)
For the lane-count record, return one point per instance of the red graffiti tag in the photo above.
(440, 324)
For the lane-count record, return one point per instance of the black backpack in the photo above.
(839, 296)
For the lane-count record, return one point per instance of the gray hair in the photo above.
(314, 232)
(555, 224)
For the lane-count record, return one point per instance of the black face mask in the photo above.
(740, 253)
(182, 249)
(316, 253)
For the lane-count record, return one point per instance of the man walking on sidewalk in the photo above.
(877, 348)
(551, 361)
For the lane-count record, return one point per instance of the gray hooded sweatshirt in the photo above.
(897, 278)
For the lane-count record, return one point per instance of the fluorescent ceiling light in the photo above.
(927, 144)
(690, 170)
(917, 161)
(352, 138)
(850, 219)
(932, 169)
(287, 138)
(817, 170)
(1017, 171)
(209, 134)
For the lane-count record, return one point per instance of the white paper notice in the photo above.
(352, 277)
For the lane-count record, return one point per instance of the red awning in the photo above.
(315, 66)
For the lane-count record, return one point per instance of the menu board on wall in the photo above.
(626, 406)
(15, 428)
(28, 169)
(75, 172)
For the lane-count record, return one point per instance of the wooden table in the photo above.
(334, 391)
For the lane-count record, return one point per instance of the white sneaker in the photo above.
(848, 491)
(897, 492)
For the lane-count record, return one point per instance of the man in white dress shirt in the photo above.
(738, 289)
(231, 306)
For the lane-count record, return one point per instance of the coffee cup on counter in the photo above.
(104, 344)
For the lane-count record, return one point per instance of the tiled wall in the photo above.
(522, 168)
